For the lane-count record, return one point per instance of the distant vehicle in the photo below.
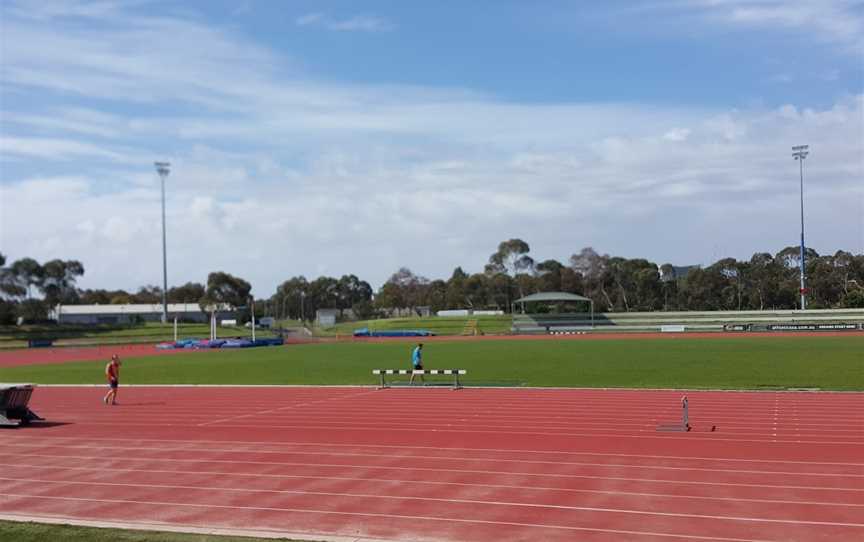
(267, 322)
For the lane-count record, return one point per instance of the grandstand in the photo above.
(684, 321)
(552, 311)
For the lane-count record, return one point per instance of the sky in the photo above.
(335, 137)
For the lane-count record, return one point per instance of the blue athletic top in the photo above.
(416, 355)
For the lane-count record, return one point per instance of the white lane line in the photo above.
(253, 444)
(843, 415)
(548, 422)
(641, 434)
(293, 405)
(458, 471)
(408, 458)
(646, 428)
(391, 516)
(634, 434)
(767, 395)
(461, 501)
(834, 417)
(531, 403)
(277, 477)
(282, 414)
(206, 414)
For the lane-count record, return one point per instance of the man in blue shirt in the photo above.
(417, 362)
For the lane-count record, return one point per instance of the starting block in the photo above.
(684, 426)
(14, 399)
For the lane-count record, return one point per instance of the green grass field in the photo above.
(492, 325)
(38, 532)
(727, 363)
(80, 335)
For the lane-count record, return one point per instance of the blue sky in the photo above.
(334, 137)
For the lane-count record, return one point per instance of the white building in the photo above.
(128, 314)
(326, 317)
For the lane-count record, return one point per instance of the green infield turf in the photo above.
(39, 532)
(728, 363)
(448, 325)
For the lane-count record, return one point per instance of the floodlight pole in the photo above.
(163, 168)
(800, 152)
(302, 311)
(252, 304)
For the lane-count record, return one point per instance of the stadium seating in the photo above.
(692, 321)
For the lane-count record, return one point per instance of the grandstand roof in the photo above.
(136, 308)
(552, 296)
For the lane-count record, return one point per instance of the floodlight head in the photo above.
(162, 168)
(800, 152)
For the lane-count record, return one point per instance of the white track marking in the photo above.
(279, 476)
(838, 425)
(391, 516)
(460, 471)
(408, 458)
(461, 501)
(294, 405)
(764, 393)
(438, 448)
(701, 436)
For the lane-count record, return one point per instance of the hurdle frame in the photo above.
(682, 427)
(457, 385)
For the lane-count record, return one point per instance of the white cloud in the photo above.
(57, 149)
(834, 21)
(242, 8)
(275, 174)
(361, 23)
(118, 230)
(677, 134)
(309, 18)
(49, 9)
(76, 120)
(357, 23)
(780, 78)
(364, 211)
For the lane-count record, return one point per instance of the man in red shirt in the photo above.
(112, 372)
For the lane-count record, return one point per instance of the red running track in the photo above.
(431, 464)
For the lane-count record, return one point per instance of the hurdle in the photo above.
(682, 427)
(14, 399)
(454, 372)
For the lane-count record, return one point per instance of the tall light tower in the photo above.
(163, 169)
(800, 152)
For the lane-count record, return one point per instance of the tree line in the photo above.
(615, 284)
